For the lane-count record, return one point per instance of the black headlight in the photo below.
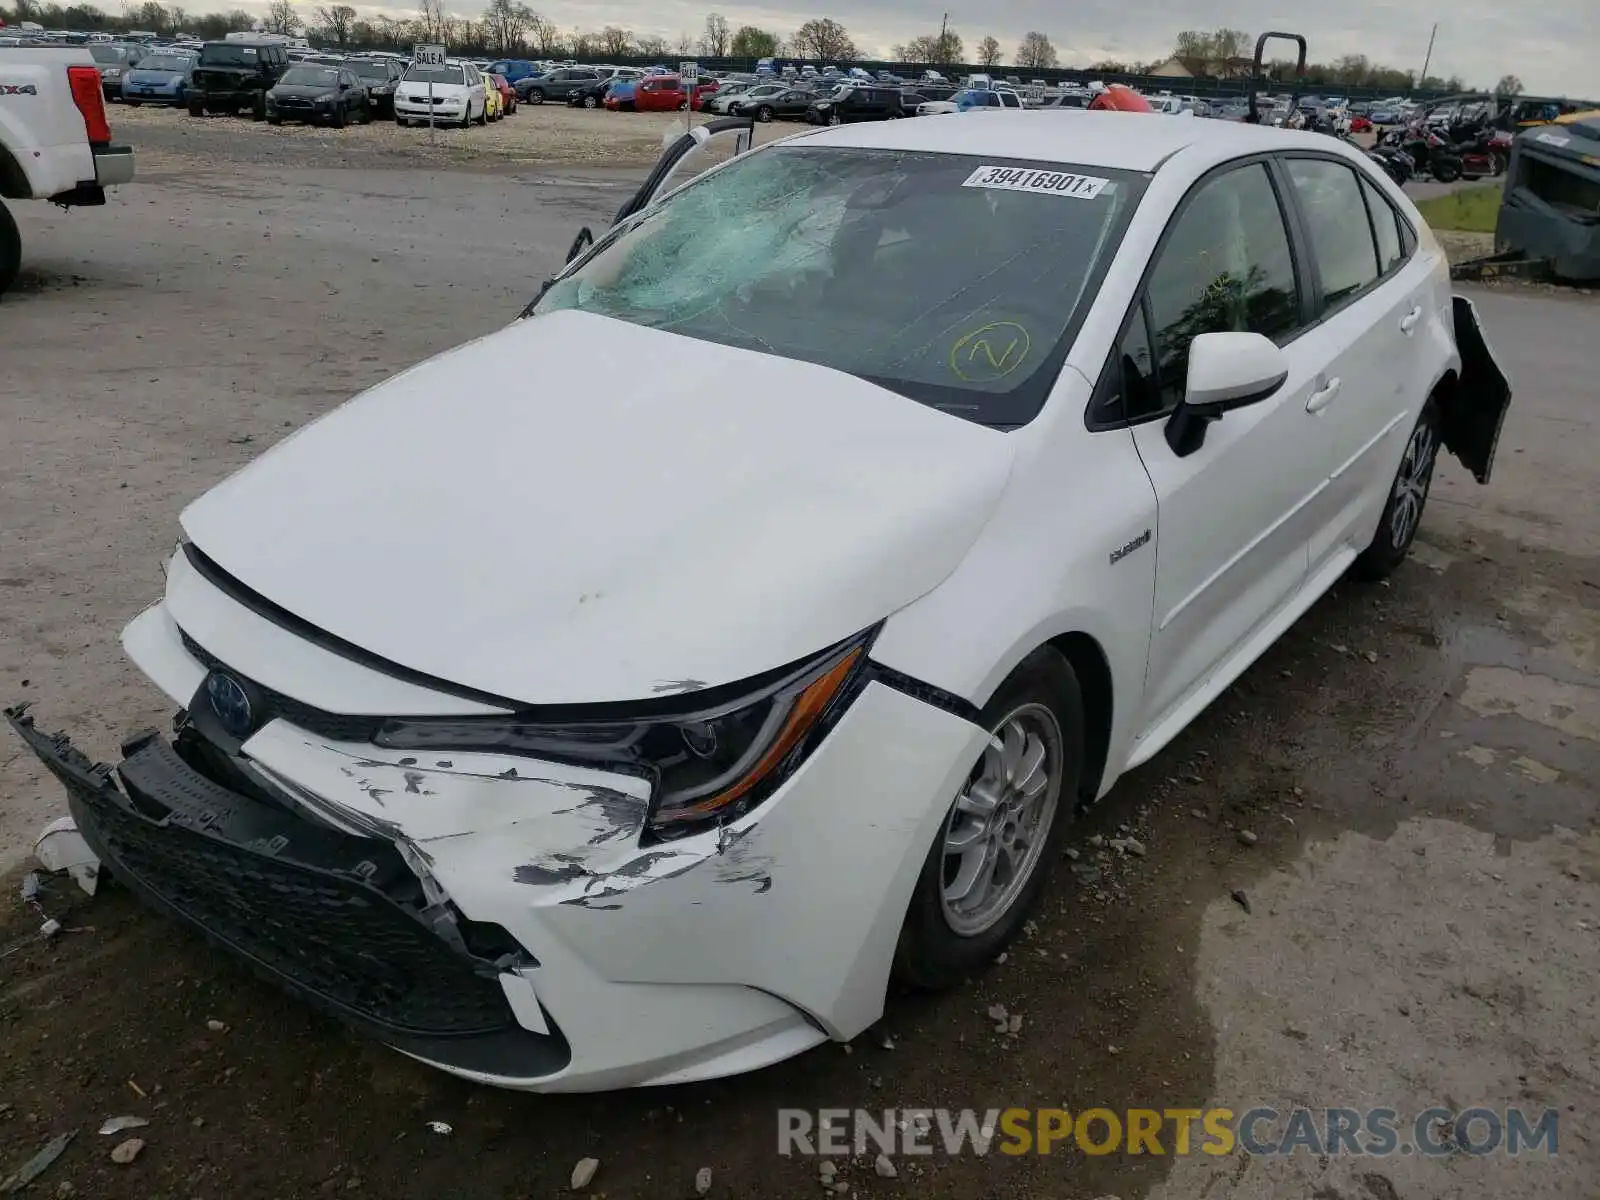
(709, 760)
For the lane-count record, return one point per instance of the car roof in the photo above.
(1120, 141)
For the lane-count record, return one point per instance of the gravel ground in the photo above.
(550, 135)
(1419, 764)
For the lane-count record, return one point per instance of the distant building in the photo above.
(1172, 69)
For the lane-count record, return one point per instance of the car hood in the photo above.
(657, 514)
(138, 75)
(303, 91)
(419, 91)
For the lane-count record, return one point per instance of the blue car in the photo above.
(514, 69)
(158, 79)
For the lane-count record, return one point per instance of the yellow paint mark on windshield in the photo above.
(990, 352)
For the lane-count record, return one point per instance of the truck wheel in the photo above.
(10, 250)
(197, 108)
(258, 109)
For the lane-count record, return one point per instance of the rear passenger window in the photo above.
(1386, 226)
(1226, 268)
(1336, 219)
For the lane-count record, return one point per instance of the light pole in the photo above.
(1428, 58)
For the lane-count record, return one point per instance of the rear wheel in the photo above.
(133, 103)
(1001, 833)
(10, 249)
(764, 113)
(535, 95)
(1447, 171)
(1402, 513)
(591, 102)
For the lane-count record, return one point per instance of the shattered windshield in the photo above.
(954, 280)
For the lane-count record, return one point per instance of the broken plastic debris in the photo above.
(583, 1173)
(30, 887)
(50, 928)
(37, 1165)
(60, 847)
(124, 1153)
(118, 1124)
(440, 1127)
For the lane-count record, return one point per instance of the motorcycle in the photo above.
(1484, 151)
(1429, 151)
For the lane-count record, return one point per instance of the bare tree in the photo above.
(616, 42)
(684, 45)
(337, 22)
(506, 24)
(714, 41)
(433, 22)
(823, 38)
(281, 18)
(1509, 85)
(1036, 51)
(988, 52)
(584, 44)
(544, 35)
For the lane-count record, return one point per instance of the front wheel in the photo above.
(1402, 512)
(996, 844)
(535, 95)
(1497, 164)
(133, 103)
(340, 116)
(835, 119)
(197, 108)
(10, 249)
(591, 102)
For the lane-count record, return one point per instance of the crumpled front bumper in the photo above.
(520, 892)
(338, 920)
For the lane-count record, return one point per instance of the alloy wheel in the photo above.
(999, 824)
(1411, 485)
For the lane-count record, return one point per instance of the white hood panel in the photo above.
(575, 510)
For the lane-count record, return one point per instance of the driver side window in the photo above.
(1226, 267)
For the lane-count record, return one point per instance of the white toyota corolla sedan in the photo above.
(915, 481)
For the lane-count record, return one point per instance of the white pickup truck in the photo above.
(55, 141)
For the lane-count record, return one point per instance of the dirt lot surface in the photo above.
(543, 134)
(1419, 765)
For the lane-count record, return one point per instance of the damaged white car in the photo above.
(643, 739)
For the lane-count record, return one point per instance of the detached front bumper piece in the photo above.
(338, 920)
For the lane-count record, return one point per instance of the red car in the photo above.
(1360, 124)
(508, 94)
(656, 93)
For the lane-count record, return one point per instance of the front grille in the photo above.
(336, 727)
(326, 931)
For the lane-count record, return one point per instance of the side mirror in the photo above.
(1226, 371)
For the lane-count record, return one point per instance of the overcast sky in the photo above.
(1553, 47)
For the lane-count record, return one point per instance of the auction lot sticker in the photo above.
(1030, 179)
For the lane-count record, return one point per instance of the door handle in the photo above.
(1319, 399)
(1409, 321)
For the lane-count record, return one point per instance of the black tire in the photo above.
(765, 113)
(133, 103)
(932, 955)
(1447, 171)
(340, 117)
(197, 108)
(535, 95)
(1408, 496)
(1497, 164)
(591, 102)
(483, 117)
(258, 108)
(274, 120)
(10, 249)
(835, 119)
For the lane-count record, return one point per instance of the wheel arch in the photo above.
(14, 183)
(1088, 661)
